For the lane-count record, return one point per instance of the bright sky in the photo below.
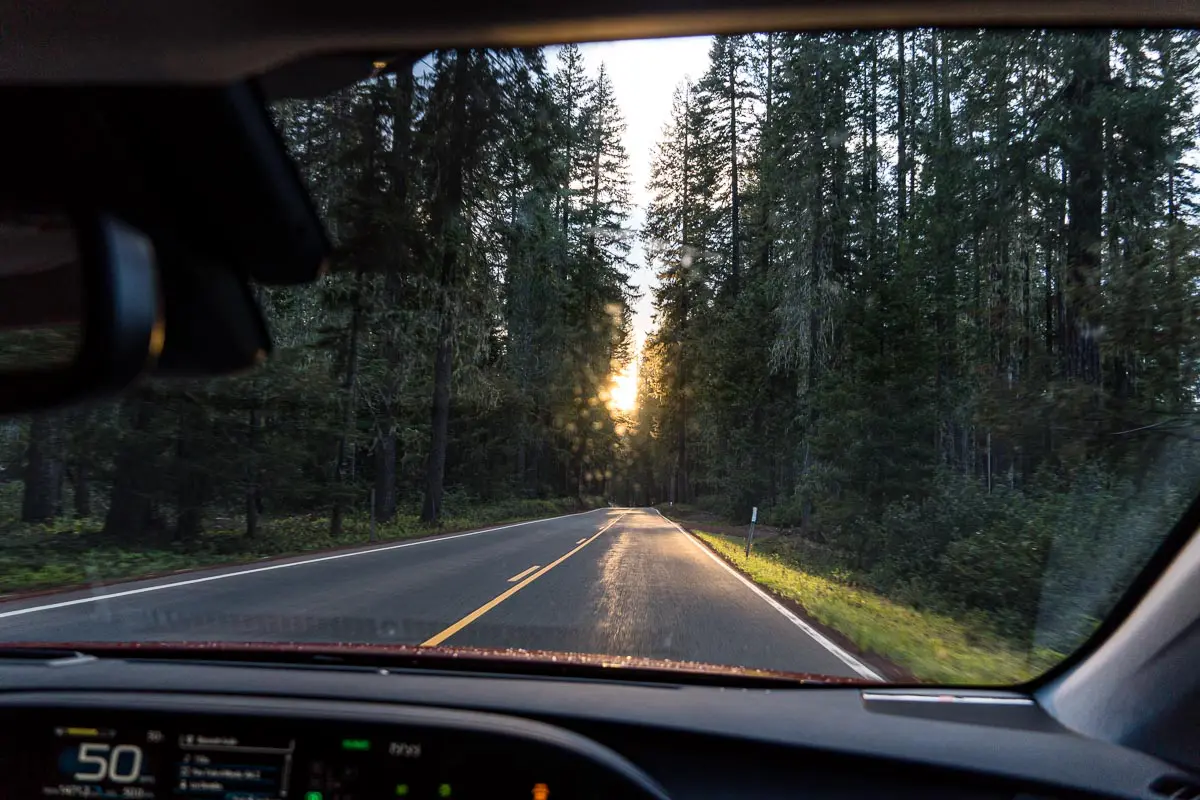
(644, 74)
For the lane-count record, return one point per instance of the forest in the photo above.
(476, 308)
(929, 298)
(926, 298)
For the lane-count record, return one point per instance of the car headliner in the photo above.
(206, 41)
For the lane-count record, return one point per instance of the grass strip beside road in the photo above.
(933, 647)
(70, 553)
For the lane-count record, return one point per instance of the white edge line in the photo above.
(224, 575)
(847, 659)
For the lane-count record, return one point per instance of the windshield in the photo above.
(862, 354)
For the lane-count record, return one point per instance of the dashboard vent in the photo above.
(1176, 788)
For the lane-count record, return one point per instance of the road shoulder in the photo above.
(881, 667)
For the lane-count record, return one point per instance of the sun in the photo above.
(623, 392)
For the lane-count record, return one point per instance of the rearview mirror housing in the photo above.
(80, 309)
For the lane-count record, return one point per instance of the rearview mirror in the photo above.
(79, 308)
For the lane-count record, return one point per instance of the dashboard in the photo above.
(164, 729)
(155, 747)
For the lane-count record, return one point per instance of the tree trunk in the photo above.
(680, 478)
(80, 460)
(522, 468)
(735, 260)
(767, 230)
(252, 476)
(192, 482)
(447, 210)
(385, 447)
(1048, 246)
(348, 386)
(945, 268)
(190, 522)
(44, 471)
(901, 132)
(1085, 169)
(129, 504)
(83, 491)
(431, 508)
(908, 165)
(569, 117)
(872, 148)
(251, 514)
(385, 477)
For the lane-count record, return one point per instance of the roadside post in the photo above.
(750, 536)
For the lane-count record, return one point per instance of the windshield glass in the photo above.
(862, 354)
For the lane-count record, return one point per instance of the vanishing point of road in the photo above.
(612, 581)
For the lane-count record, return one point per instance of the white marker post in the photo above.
(750, 536)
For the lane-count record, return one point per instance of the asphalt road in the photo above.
(610, 581)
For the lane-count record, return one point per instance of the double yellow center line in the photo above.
(442, 636)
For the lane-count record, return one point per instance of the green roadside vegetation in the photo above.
(932, 646)
(68, 552)
(901, 355)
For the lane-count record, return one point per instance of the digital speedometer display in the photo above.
(109, 763)
(105, 763)
(114, 764)
(141, 756)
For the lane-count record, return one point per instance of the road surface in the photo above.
(610, 581)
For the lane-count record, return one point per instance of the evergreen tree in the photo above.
(971, 296)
